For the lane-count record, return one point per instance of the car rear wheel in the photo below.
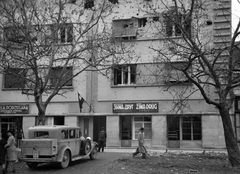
(32, 165)
(65, 160)
(86, 147)
(93, 154)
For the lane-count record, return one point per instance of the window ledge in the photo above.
(150, 85)
(151, 38)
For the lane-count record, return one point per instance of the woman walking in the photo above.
(3, 151)
(11, 151)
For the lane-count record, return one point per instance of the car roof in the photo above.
(52, 127)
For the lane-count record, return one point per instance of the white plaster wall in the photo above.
(112, 131)
(212, 132)
(159, 128)
(71, 121)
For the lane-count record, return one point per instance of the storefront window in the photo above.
(184, 128)
(145, 122)
(237, 122)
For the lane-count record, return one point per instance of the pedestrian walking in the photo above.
(11, 156)
(102, 139)
(141, 148)
(3, 151)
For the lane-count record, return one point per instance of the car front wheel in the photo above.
(93, 154)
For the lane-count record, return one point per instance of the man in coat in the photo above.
(141, 148)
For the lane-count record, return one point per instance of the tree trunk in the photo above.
(230, 139)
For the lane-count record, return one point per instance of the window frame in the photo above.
(135, 130)
(125, 74)
(173, 24)
(178, 136)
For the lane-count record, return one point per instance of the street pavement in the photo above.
(152, 151)
(103, 162)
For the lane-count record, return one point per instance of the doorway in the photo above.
(98, 122)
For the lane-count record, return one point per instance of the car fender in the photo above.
(61, 151)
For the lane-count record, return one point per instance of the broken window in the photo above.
(176, 24)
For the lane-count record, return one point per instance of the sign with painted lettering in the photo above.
(14, 109)
(135, 107)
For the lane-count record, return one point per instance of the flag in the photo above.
(80, 101)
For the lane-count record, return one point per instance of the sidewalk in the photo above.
(159, 151)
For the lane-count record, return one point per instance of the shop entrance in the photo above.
(98, 122)
(126, 131)
(14, 124)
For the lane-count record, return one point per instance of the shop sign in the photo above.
(135, 107)
(14, 109)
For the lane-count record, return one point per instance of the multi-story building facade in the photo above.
(132, 96)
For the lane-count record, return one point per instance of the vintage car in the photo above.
(58, 144)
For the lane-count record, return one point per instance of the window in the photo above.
(41, 134)
(184, 128)
(66, 75)
(15, 34)
(142, 22)
(174, 74)
(71, 133)
(145, 122)
(88, 4)
(64, 134)
(113, 1)
(124, 74)
(125, 29)
(66, 33)
(176, 23)
(237, 125)
(14, 78)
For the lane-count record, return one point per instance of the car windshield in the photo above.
(41, 134)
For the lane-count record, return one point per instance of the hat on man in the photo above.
(141, 128)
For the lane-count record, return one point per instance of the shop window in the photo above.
(237, 125)
(62, 76)
(14, 78)
(184, 128)
(58, 120)
(146, 123)
(124, 74)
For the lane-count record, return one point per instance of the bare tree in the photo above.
(47, 43)
(207, 58)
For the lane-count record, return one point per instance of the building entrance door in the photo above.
(173, 132)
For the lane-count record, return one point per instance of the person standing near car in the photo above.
(11, 156)
(102, 139)
(3, 151)
(141, 148)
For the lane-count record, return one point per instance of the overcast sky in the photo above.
(235, 13)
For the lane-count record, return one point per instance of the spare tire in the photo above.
(86, 147)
